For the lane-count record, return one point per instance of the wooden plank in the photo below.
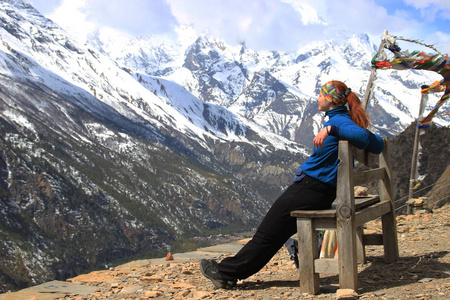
(362, 202)
(369, 176)
(360, 249)
(326, 265)
(386, 189)
(390, 242)
(308, 252)
(309, 214)
(389, 223)
(324, 223)
(344, 191)
(365, 157)
(373, 239)
(348, 273)
(345, 229)
(346, 236)
(372, 212)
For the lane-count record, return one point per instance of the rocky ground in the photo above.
(423, 272)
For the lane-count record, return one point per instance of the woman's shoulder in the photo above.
(340, 119)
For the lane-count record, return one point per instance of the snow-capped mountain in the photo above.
(271, 91)
(99, 163)
(132, 146)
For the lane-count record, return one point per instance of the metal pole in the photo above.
(412, 178)
(372, 77)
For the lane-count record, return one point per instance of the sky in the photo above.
(284, 25)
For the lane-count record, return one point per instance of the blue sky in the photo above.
(262, 24)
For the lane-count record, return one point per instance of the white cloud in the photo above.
(440, 41)
(421, 4)
(135, 16)
(430, 10)
(434, 18)
(81, 17)
(261, 24)
(70, 16)
(361, 16)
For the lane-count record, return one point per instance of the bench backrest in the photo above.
(380, 170)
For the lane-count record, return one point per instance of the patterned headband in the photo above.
(333, 94)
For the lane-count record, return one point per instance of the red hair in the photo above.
(356, 112)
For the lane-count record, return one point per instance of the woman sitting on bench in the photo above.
(314, 185)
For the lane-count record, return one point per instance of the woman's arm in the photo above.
(357, 136)
(376, 143)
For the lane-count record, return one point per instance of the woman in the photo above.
(314, 185)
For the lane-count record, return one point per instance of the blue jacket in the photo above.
(323, 163)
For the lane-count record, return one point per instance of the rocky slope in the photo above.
(421, 273)
(432, 165)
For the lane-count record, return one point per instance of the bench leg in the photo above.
(307, 253)
(390, 241)
(347, 256)
(360, 249)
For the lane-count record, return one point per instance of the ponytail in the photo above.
(356, 112)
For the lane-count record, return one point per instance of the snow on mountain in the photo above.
(222, 74)
(213, 72)
(95, 166)
(57, 64)
(199, 117)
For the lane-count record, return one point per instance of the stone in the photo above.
(422, 296)
(182, 285)
(200, 294)
(418, 201)
(151, 279)
(152, 294)
(169, 256)
(346, 294)
(183, 293)
(130, 289)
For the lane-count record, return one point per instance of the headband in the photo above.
(333, 94)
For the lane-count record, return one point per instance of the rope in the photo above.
(417, 42)
(437, 201)
(431, 193)
(419, 61)
(448, 196)
(431, 185)
(398, 200)
(427, 187)
(398, 208)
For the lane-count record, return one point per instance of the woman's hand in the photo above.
(320, 137)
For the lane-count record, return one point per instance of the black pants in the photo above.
(277, 226)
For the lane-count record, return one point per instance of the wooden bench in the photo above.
(347, 217)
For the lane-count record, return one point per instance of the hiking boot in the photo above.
(209, 270)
